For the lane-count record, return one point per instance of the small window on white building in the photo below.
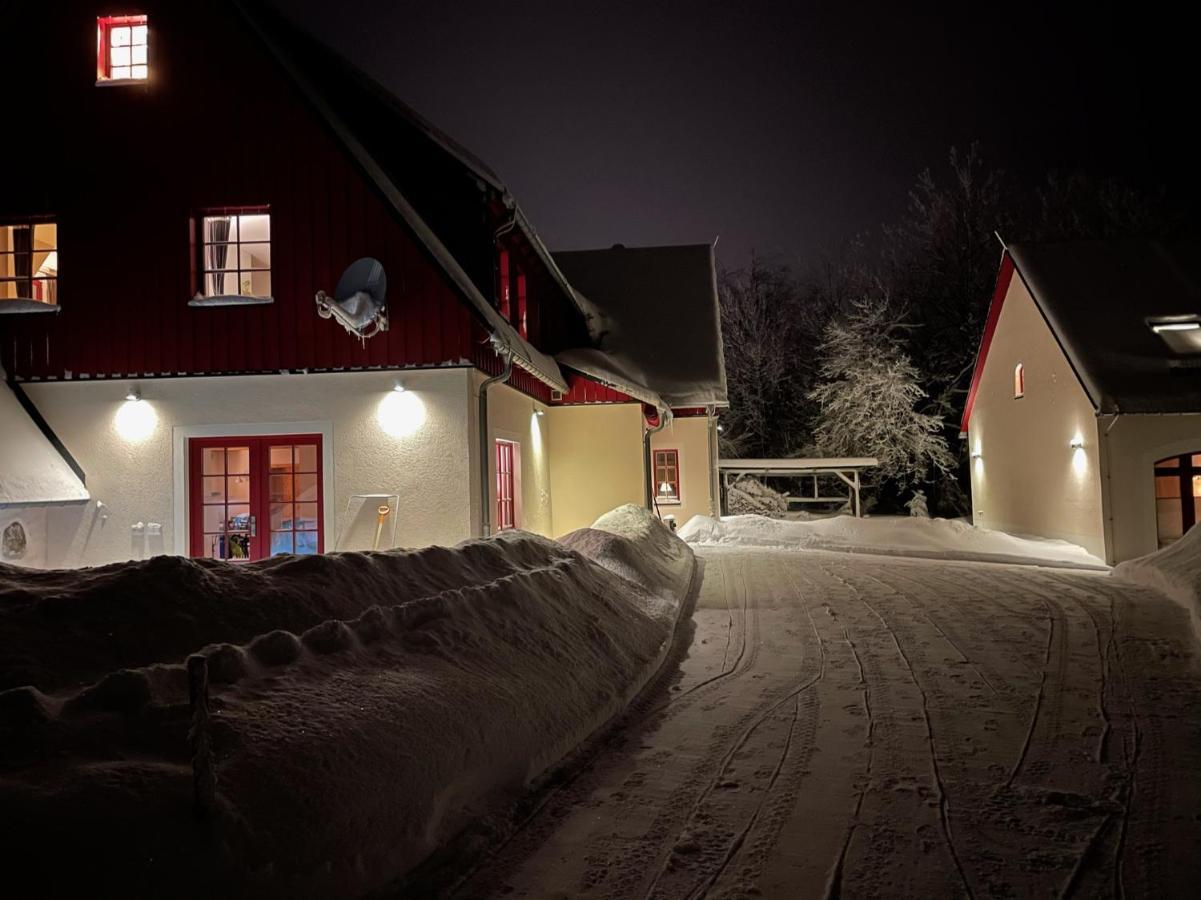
(122, 49)
(1019, 382)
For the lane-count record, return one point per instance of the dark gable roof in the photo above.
(434, 184)
(1097, 295)
(657, 319)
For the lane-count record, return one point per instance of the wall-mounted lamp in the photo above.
(1077, 443)
(399, 388)
(539, 412)
(977, 456)
(134, 394)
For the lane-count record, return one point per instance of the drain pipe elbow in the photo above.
(485, 447)
(647, 468)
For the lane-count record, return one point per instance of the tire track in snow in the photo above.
(833, 889)
(757, 717)
(943, 800)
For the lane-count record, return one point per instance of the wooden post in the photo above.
(204, 774)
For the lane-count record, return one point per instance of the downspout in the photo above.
(647, 468)
(485, 446)
(714, 484)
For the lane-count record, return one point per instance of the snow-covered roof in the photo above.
(399, 150)
(654, 318)
(806, 464)
(32, 470)
(1097, 298)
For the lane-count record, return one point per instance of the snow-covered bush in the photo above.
(868, 396)
(917, 505)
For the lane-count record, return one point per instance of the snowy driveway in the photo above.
(863, 726)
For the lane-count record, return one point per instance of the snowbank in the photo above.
(903, 536)
(1174, 570)
(365, 706)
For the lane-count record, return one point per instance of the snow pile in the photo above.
(365, 706)
(903, 536)
(1174, 570)
(748, 495)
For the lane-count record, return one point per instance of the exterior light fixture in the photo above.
(134, 395)
(538, 412)
(977, 456)
(1182, 334)
(1077, 443)
(399, 388)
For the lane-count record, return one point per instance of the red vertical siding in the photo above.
(128, 267)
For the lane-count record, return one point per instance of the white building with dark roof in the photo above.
(1084, 413)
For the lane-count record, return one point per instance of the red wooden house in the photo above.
(197, 175)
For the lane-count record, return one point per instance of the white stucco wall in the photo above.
(1133, 445)
(689, 436)
(1028, 479)
(425, 461)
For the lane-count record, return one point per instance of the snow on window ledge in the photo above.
(19, 305)
(230, 300)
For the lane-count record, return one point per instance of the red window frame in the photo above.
(506, 506)
(259, 500)
(104, 63)
(503, 280)
(667, 470)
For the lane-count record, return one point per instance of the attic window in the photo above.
(1019, 381)
(29, 264)
(122, 49)
(1182, 334)
(235, 258)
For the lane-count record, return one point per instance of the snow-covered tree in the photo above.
(868, 394)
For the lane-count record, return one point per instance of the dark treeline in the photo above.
(870, 352)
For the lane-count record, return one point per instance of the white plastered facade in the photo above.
(574, 463)
(1028, 478)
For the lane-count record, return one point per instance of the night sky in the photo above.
(787, 128)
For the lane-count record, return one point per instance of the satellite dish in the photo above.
(359, 302)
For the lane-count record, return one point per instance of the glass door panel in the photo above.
(256, 496)
(225, 517)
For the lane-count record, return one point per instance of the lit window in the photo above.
(235, 254)
(122, 48)
(667, 476)
(29, 262)
(502, 287)
(1019, 381)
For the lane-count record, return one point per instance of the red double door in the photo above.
(254, 497)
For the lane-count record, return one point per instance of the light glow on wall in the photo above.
(400, 413)
(1079, 457)
(536, 431)
(136, 419)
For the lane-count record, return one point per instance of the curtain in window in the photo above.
(217, 229)
(23, 259)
